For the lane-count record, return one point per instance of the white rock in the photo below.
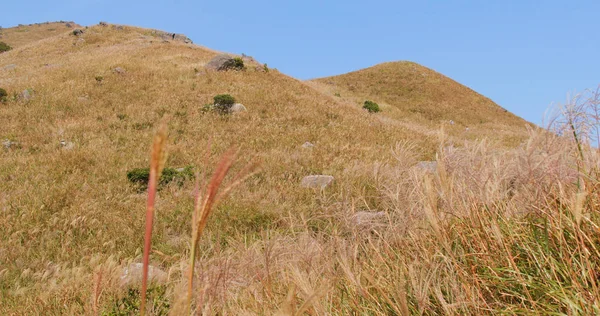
(26, 94)
(316, 181)
(7, 143)
(238, 107)
(66, 145)
(308, 145)
(119, 70)
(132, 274)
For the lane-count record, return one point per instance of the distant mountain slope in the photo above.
(25, 34)
(412, 93)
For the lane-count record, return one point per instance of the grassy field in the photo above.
(506, 223)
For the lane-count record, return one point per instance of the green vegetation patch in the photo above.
(141, 176)
(371, 106)
(223, 103)
(4, 47)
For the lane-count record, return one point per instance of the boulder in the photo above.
(119, 70)
(238, 107)
(132, 274)
(316, 181)
(308, 145)
(102, 23)
(27, 94)
(77, 32)
(66, 145)
(8, 144)
(220, 62)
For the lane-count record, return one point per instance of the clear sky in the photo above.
(524, 55)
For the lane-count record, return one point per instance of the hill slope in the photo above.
(67, 207)
(416, 95)
(26, 34)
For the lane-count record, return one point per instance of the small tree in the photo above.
(371, 106)
(3, 95)
(4, 47)
(223, 103)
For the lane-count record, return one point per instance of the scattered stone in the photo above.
(316, 181)
(451, 122)
(428, 166)
(132, 274)
(220, 62)
(118, 27)
(165, 36)
(69, 25)
(366, 219)
(77, 32)
(102, 23)
(10, 67)
(66, 145)
(308, 145)
(119, 70)
(8, 144)
(27, 94)
(82, 99)
(237, 107)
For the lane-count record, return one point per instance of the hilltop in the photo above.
(81, 112)
(418, 96)
(26, 34)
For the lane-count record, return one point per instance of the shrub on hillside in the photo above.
(223, 103)
(234, 64)
(3, 95)
(371, 106)
(141, 176)
(4, 47)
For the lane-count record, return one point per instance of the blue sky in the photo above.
(524, 55)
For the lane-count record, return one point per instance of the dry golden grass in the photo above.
(27, 34)
(462, 240)
(417, 97)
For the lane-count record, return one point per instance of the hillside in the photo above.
(418, 96)
(62, 199)
(388, 235)
(26, 34)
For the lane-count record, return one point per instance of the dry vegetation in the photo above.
(32, 33)
(493, 229)
(419, 98)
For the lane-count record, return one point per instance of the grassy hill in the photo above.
(417, 96)
(82, 110)
(23, 35)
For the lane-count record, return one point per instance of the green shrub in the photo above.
(223, 103)
(234, 64)
(141, 176)
(207, 108)
(3, 95)
(265, 67)
(371, 106)
(130, 303)
(4, 47)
